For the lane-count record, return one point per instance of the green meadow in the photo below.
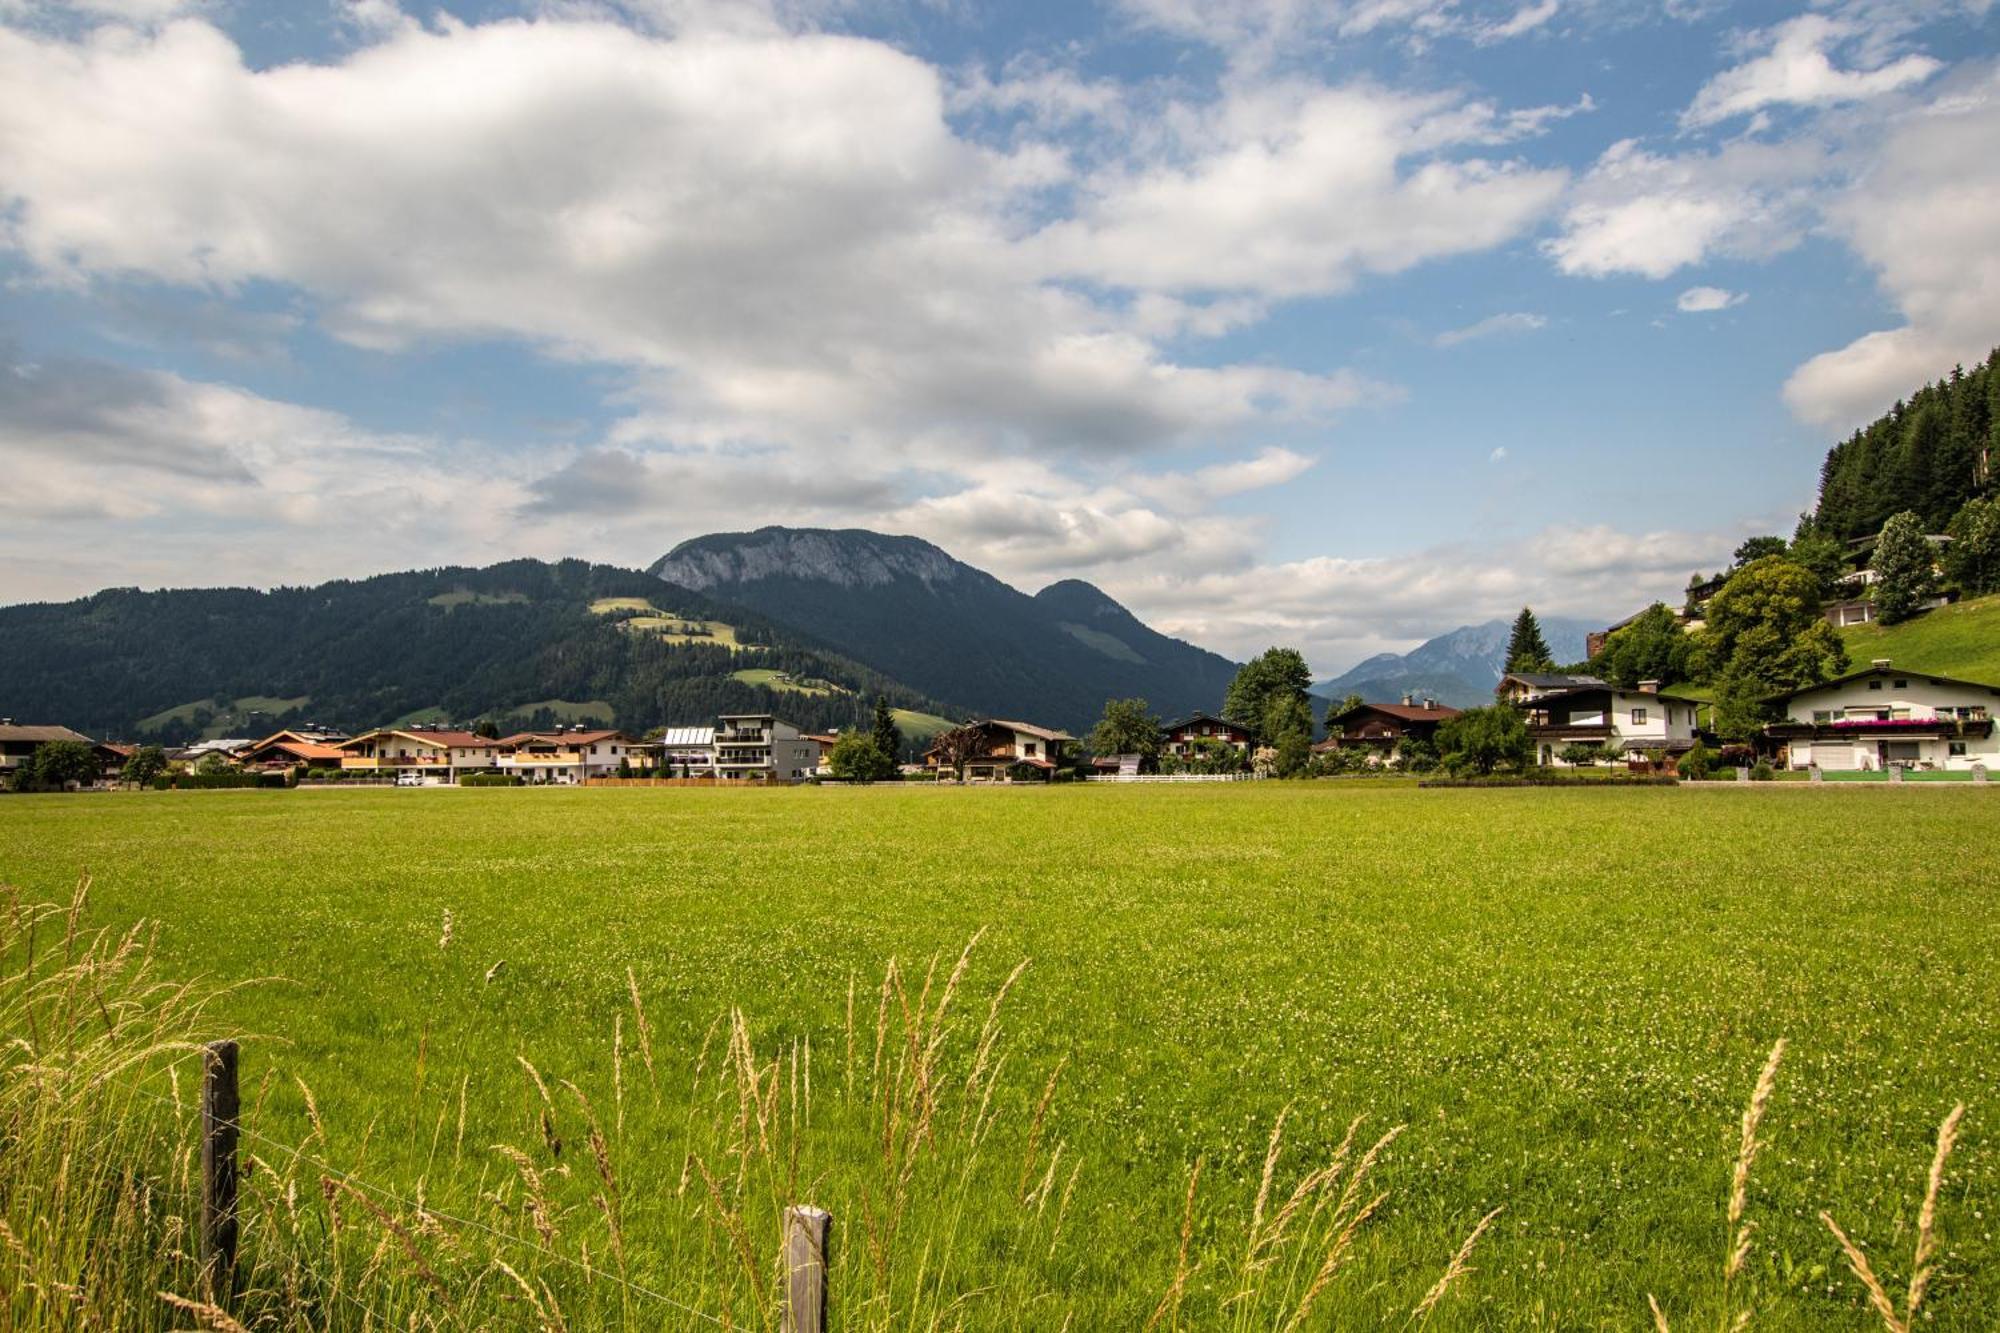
(659, 1016)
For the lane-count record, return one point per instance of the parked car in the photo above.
(409, 779)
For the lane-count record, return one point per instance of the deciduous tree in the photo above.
(1273, 675)
(1972, 561)
(1480, 740)
(1127, 727)
(1905, 569)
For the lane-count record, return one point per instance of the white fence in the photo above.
(1170, 777)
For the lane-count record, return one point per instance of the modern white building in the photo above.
(687, 752)
(1623, 721)
(1884, 717)
(758, 747)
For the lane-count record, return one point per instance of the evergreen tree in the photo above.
(1904, 567)
(1822, 553)
(888, 736)
(1756, 548)
(1527, 650)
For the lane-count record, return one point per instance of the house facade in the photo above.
(18, 743)
(1882, 718)
(1003, 744)
(1380, 729)
(1520, 687)
(436, 754)
(687, 752)
(1182, 737)
(757, 747)
(1622, 721)
(294, 748)
(566, 758)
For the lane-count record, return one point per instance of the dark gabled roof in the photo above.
(1887, 670)
(14, 731)
(1192, 718)
(1547, 680)
(1405, 712)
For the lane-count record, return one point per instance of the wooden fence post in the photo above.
(807, 1231)
(1895, 772)
(1979, 773)
(219, 1110)
(1815, 774)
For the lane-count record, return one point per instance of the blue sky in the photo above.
(1333, 324)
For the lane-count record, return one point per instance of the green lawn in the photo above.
(1962, 639)
(230, 720)
(773, 679)
(1564, 995)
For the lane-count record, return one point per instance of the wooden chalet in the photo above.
(1381, 729)
(1003, 746)
(1181, 737)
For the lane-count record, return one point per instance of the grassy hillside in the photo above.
(1567, 1024)
(1958, 640)
(238, 717)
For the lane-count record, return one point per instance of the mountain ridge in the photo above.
(912, 611)
(1459, 667)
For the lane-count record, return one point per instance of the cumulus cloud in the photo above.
(1796, 70)
(1703, 300)
(1340, 610)
(1511, 322)
(1288, 189)
(1648, 213)
(1924, 217)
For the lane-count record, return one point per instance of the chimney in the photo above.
(1409, 700)
(1430, 703)
(1649, 687)
(1880, 664)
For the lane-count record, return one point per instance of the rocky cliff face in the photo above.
(848, 558)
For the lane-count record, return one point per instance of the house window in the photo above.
(1638, 717)
(1029, 749)
(1902, 684)
(1822, 715)
(1875, 684)
(1955, 748)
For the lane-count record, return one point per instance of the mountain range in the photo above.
(812, 624)
(1459, 668)
(944, 628)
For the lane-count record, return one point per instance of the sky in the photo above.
(1329, 324)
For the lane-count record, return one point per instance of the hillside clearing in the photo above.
(1962, 640)
(237, 714)
(1567, 1024)
(772, 679)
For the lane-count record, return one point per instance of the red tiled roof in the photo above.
(1410, 712)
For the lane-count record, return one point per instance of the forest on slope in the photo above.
(1928, 455)
(457, 643)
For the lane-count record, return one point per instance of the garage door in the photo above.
(1834, 756)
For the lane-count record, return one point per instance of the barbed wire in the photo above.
(425, 1209)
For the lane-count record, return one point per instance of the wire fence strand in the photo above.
(425, 1210)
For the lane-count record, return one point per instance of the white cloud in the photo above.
(1512, 322)
(1924, 215)
(1702, 300)
(1797, 71)
(1524, 20)
(1499, 454)
(1288, 189)
(1646, 213)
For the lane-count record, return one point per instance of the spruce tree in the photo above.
(1527, 650)
(888, 736)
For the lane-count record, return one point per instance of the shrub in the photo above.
(490, 780)
(1696, 763)
(1763, 772)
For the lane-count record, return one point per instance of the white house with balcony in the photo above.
(1884, 717)
(1625, 722)
(687, 752)
(437, 754)
(757, 747)
(568, 757)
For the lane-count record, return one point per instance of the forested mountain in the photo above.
(524, 642)
(939, 625)
(1929, 455)
(1459, 668)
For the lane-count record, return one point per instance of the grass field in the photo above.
(773, 679)
(1565, 997)
(665, 625)
(1962, 639)
(237, 715)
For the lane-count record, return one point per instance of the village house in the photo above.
(1625, 722)
(294, 747)
(1004, 745)
(568, 757)
(19, 742)
(1881, 717)
(1181, 738)
(1520, 687)
(1380, 729)
(757, 747)
(687, 752)
(434, 754)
